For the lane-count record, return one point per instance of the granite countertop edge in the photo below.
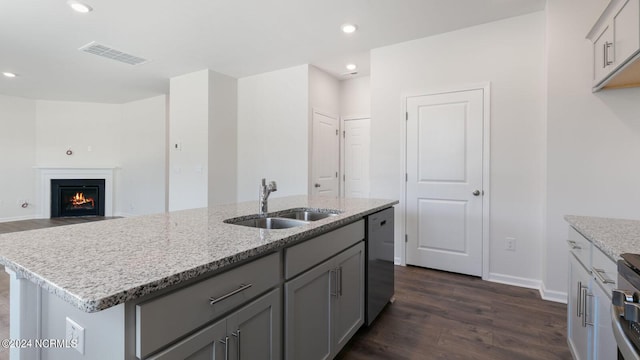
(90, 305)
(612, 236)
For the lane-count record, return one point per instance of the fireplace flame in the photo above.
(78, 199)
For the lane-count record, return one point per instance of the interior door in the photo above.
(444, 181)
(324, 158)
(356, 157)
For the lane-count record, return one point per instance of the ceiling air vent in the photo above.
(111, 53)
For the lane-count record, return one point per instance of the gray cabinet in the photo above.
(592, 278)
(252, 332)
(191, 308)
(616, 45)
(324, 306)
(578, 309)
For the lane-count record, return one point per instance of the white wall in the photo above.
(273, 115)
(188, 126)
(223, 134)
(141, 182)
(324, 92)
(593, 139)
(509, 54)
(355, 97)
(130, 136)
(90, 130)
(18, 156)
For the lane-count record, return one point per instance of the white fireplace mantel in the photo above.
(46, 174)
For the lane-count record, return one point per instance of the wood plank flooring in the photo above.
(24, 225)
(440, 315)
(436, 315)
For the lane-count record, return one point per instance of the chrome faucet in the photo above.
(265, 190)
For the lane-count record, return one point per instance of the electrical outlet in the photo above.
(510, 244)
(75, 333)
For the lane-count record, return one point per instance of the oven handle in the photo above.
(625, 346)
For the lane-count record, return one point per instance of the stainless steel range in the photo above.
(625, 308)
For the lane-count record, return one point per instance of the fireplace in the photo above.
(77, 197)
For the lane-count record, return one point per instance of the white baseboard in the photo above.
(549, 295)
(552, 295)
(18, 218)
(123, 214)
(514, 280)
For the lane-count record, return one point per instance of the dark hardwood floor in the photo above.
(440, 315)
(436, 315)
(24, 225)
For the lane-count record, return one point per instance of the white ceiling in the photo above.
(39, 39)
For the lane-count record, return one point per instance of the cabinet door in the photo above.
(577, 333)
(348, 312)
(604, 346)
(308, 313)
(626, 25)
(603, 54)
(206, 344)
(255, 329)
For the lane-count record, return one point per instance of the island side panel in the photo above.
(24, 314)
(104, 331)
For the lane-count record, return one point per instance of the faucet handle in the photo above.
(273, 186)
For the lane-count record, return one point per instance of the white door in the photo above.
(444, 181)
(324, 158)
(356, 157)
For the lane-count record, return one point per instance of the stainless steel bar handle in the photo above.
(339, 276)
(584, 306)
(579, 300)
(333, 282)
(226, 347)
(586, 303)
(600, 275)
(573, 244)
(607, 46)
(242, 287)
(237, 335)
(604, 55)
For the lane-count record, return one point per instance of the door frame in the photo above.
(486, 166)
(344, 119)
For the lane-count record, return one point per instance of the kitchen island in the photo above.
(109, 277)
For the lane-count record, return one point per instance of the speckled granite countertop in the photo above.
(98, 265)
(612, 236)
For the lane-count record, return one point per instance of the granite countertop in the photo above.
(101, 264)
(613, 236)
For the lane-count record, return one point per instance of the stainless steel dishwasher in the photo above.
(379, 268)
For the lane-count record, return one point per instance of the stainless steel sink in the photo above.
(268, 222)
(284, 219)
(306, 215)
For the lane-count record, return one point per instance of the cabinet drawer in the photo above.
(604, 271)
(165, 319)
(580, 247)
(303, 256)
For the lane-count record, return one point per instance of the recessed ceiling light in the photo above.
(351, 67)
(9, 74)
(79, 7)
(349, 28)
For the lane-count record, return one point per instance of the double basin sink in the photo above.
(284, 219)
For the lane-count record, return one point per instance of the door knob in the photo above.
(476, 193)
(316, 185)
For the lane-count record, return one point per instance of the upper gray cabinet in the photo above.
(616, 46)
